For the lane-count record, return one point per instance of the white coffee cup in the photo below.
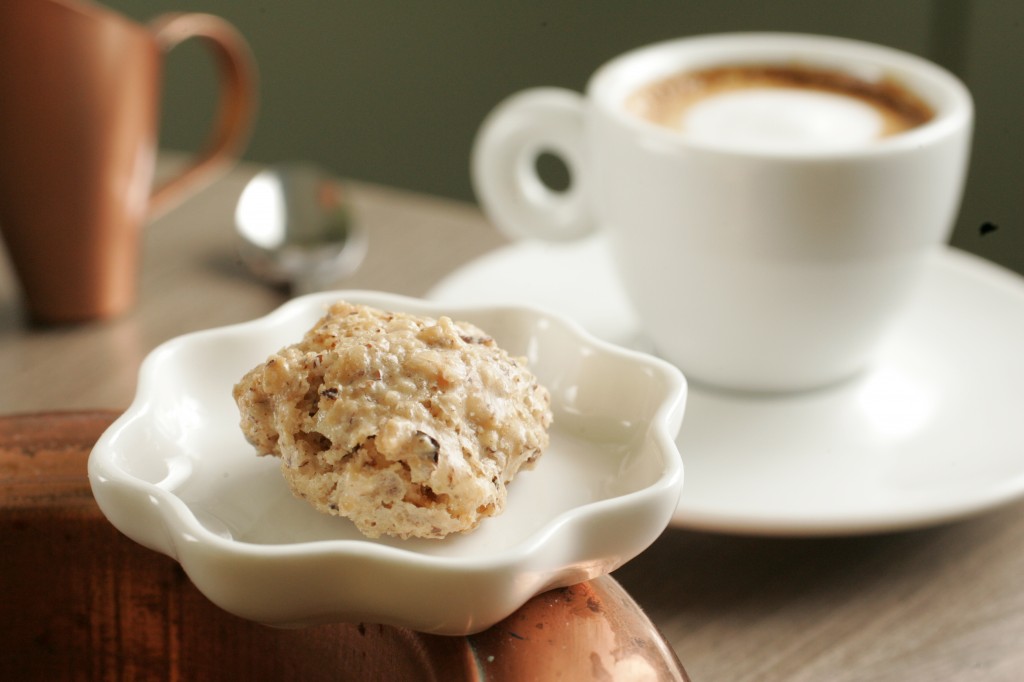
(763, 267)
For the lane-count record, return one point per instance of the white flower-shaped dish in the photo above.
(175, 474)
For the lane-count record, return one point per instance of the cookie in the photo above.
(409, 426)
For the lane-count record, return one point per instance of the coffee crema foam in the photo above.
(772, 107)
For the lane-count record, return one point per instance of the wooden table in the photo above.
(937, 604)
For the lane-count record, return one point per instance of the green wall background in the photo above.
(392, 91)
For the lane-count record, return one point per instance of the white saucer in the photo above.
(934, 432)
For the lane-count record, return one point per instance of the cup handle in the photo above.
(235, 110)
(503, 166)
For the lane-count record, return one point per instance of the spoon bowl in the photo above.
(295, 228)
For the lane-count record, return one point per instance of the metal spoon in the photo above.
(295, 228)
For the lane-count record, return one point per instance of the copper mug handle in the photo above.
(235, 109)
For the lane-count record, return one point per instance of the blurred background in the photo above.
(393, 91)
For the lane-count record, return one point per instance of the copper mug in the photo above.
(79, 106)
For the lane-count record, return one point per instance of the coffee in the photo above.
(771, 107)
